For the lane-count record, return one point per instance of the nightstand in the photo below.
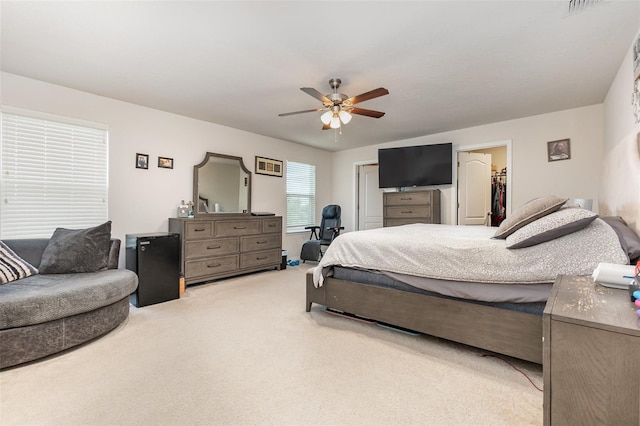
(591, 355)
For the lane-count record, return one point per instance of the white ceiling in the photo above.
(448, 65)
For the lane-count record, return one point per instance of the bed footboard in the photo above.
(503, 331)
(314, 295)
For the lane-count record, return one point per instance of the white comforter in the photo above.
(468, 253)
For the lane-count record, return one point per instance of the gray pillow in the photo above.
(629, 240)
(12, 266)
(554, 225)
(77, 250)
(529, 212)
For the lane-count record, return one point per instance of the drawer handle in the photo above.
(261, 258)
(217, 265)
(213, 247)
(262, 242)
(239, 227)
(406, 199)
(199, 229)
(406, 212)
(271, 226)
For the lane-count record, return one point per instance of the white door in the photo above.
(369, 198)
(474, 188)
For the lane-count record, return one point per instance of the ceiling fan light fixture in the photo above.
(326, 117)
(339, 108)
(345, 116)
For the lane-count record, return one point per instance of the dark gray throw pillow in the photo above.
(629, 240)
(77, 250)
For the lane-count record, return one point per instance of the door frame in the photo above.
(356, 190)
(454, 198)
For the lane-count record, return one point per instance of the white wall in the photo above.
(620, 174)
(143, 200)
(532, 174)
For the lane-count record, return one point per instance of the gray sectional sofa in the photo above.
(47, 313)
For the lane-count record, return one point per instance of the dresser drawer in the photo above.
(405, 198)
(209, 248)
(260, 258)
(216, 265)
(260, 242)
(194, 230)
(234, 228)
(271, 226)
(407, 212)
(398, 222)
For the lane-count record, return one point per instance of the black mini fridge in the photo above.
(155, 258)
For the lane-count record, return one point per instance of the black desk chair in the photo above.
(322, 235)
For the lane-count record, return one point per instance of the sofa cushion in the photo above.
(12, 266)
(77, 250)
(41, 298)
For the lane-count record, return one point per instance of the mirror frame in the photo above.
(203, 163)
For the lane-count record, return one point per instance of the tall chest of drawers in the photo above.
(213, 248)
(402, 208)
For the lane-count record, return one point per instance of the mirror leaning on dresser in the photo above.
(224, 239)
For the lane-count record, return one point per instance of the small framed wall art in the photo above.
(559, 150)
(268, 166)
(142, 161)
(165, 163)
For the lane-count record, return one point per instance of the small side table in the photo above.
(591, 355)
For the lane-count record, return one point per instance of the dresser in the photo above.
(224, 246)
(402, 208)
(591, 355)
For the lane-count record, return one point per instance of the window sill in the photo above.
(297, 231)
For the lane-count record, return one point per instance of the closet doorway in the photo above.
(483, 193)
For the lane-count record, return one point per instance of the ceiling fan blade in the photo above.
(367, 112)
(300, 112)
(319, 96)
(326, 127)
(380, 91)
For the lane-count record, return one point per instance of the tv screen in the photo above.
(415, 166)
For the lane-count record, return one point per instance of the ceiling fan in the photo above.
(339, 106)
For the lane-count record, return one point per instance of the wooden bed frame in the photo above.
(512, 333)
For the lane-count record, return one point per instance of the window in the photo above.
(54, 173)
(301, 196)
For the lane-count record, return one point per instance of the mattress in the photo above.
(532, 301)
(466, 253)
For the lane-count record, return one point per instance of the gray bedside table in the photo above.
(591, 355)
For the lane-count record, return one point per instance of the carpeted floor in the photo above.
(244, 351)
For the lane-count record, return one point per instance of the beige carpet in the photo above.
(244, 351)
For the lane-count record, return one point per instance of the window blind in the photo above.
(53, 174)
(301, 196)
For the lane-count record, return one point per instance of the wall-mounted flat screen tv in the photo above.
(421, 165)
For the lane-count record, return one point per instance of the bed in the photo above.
(423, 277)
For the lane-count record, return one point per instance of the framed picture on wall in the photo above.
(165, 163)
(142, 161)
(559, 150)
(268, 166)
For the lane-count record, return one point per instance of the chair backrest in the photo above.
(330, 219)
